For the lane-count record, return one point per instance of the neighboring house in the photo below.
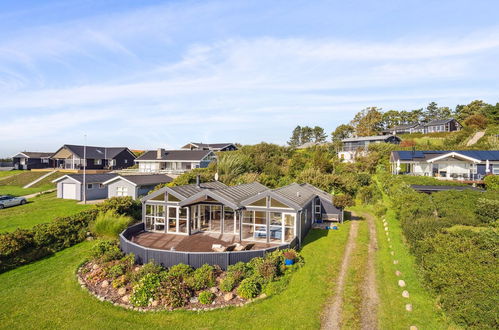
(248, 212)
(97, 158)
(210, 146)
(174, 161)
(401, 129)
(310, 144)
(134, 186)
(467, 165)
(28, 160)
(440, 125)
(357, 146)
(71, 186)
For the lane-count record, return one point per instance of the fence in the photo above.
(168, 258)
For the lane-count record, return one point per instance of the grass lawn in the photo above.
(44, 208)
(14, 185)
(22, 178)
(45, 294)
(5, 174)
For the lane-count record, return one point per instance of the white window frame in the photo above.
(495, 169)
(97, 161)
(121, 191)
(90, 186)
(45, 160)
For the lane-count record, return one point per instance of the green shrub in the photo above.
(146, 269)
(249, 288)
(116, 271)
(145, 291)
(173, 292)
(492, 182)
(182, 271)
(109, 224)
(267, 270)
(122, 206)
(106, 251)
(206, 297)
(487, 210)
(202, 278)
(240, 271)
(228, 283)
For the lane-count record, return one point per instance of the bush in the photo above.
(202, 278)
(228, 283)
(109, 224)
(145, 291)
(492, 182)
(106, 251)
(240, 271)
(206, 297)
(122, 206)
(249, 288)
(146, 269)
(116, 271)
(487, 210)
(343, 200)
(267, 270)
(181, 271)
(174, 293)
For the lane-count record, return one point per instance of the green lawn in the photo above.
(22, 179)
(45, 294)
(40, 209)
(5, 174)
(14, 185)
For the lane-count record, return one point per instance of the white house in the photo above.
(174, 161)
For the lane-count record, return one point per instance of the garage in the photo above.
(69, 191)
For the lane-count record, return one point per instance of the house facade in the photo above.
(251, 212)
(210, 146)
(174, 161)
(134, 186)
(28, 160)
(440, 125)
(358, 146)
(401, 129)
(465, 165)
(72, 186)
(75, 157)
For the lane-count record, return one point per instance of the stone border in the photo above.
(84, 286)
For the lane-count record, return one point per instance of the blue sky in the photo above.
(149, 74)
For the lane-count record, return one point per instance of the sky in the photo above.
(150, 74)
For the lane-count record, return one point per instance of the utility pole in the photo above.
(84, 169)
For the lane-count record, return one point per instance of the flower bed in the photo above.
(114, 277)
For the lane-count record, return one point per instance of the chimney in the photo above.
(198, 184)
(160, 153)
(297, 194)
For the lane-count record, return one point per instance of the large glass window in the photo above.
(155, 217)
(260, 203)
(254, 225)
(182, 220)
(172, 198)
(215, 218)
(277, 204)
(275, 226)
(172, 219)
(229, 221)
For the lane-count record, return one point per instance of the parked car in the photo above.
(7, 200)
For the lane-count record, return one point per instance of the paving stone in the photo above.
(398, 273)
(408, 307)
(395, 262)
(392, 253)
(405, 294)
(413, 327)
(401, 283)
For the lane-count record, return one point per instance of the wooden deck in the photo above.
(199, 242)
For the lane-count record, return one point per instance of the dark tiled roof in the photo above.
(95, 152)
(151, 179)
(175, 155)
(296, 193)
(34, 154)
(92, 178)
(428, 154)
(237, 194)
(191, 189)
(368, 138)
(439, 122)
(211, 145)
(402, 127)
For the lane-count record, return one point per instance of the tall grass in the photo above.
(109, 224)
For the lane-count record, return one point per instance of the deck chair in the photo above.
(239, 247)
(230, 248)
(249, 246)
(218, 248)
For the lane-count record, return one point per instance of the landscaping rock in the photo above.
(401, 283)
(395, 262)
(413, 327)
(214, 289)
(121, 291)
(262, 296)
(89, 238)
(388, 239)
(408, 307)
(228, 296)
(95, 266)
(136, 269)
(405, 294)
(154, 303)
(386, 228)
(105, 284)
(193, 300)
(392, 253)
(398, 273)
(126, 298)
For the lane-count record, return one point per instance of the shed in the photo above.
(134, 185)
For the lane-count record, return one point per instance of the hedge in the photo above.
(452, 234)
(27, 245)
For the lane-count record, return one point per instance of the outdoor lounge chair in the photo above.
(249, 246)
(230, 248)
(218, 248)
(239, 247)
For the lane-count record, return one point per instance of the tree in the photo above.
(307, 133)
(476, 121)
(391, 118)
(464, 111)
(368, 121)
(319, 135)
(295, 139)
(491, 112)
(431, 112)
(342, 132)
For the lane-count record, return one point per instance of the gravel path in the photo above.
(332, 312)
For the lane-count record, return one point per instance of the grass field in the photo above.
(45, 294)
(14, 185)
(43, 208)
(5, 174)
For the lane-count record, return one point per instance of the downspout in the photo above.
(298, 229)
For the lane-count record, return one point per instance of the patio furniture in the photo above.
(218, 248)
(248, 247)
(230, 248)
(239, 247)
